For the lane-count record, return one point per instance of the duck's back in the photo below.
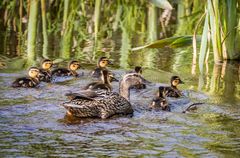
(98, 85)
(171, 92)
(45, 76)
(61, 72)
(25, 82)
(105, 106)
(96, 73)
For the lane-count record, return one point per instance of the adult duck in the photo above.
(28, 82)
(73, 66)
(103, 104)
(45, 70)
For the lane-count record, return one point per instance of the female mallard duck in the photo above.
(45, 73)
(28, 82)
(173, 91)
(73, 66)
(101, 65)
(160, 102)
(103, 104)
(103, 84)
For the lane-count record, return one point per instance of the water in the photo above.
(33, 124)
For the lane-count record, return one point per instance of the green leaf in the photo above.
(164, 4)
(181, 42)
(173, 42)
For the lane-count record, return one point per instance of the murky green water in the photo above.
(32, 124)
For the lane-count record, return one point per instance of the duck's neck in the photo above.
(74, 73)
(174, 87)
(47, 70)
(124, 91)
(105, 80)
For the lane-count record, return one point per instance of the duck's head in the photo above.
(138, 69)
(74, 65)
(103, 62)
(47, 64)
(33, 72)
(130, 80)
(175, 81)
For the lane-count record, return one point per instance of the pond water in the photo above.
(33, 124)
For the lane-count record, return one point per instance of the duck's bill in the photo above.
(110, 62)
(181, 82)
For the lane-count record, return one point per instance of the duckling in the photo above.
(105, 104)
(45, 73)
(101, 65)
(160, 102)
(28, 82)
(103, 84)
(173, 91)
(73, 66)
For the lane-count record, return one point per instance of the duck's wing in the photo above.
(103, 86)
(74, 96)
(171, 92)
(96, 73)
(90, 85)
(24, 82)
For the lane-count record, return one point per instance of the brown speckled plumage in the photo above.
(111, 104)
(104, 104)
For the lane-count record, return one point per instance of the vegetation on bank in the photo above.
(73, 25)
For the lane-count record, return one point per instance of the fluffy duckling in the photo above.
(101, 65)
(103, 84)
(73, 66)
(45, 73)
(160, 102)
(173, 91)
(28, 82)
(104, 104)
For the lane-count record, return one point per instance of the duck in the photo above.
(160, 102)
(103, 84)
(103, 104)
(28, 82)
(173, 91)
(73, 66)
(102, 64)
(138, 70)
(45, 72)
